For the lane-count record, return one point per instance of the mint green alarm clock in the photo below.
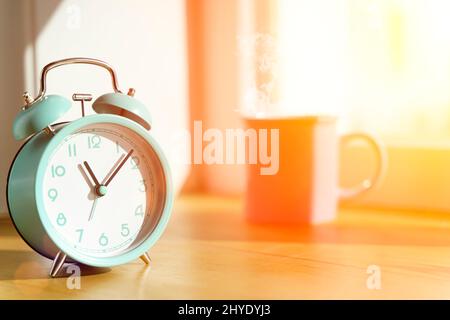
(96, 190)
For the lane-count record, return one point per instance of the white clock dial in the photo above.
(122, 210)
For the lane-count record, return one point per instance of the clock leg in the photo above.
(145, 257)
(58, 263)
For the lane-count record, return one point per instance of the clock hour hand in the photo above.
(85, 176)
(91, 173)
(118, 167)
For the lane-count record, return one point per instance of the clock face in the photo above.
(104, 190)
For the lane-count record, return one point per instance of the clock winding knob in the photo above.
(131, 92)
(27, 99)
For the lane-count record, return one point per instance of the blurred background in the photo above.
(381, 65)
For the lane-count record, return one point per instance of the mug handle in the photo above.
(381, 155)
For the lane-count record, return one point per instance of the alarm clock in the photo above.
(96, 190)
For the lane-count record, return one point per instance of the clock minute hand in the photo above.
(118, 167)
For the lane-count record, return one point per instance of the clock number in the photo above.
(52, 194)
(125, 230)
(72, 147)
(139, 210)
(61, 219)
(117, 147)
(80, 234)
(135, 162)
(58, 171)
(103, 240)
(143, 186)
(94, 141)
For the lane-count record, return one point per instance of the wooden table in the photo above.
(209, 251)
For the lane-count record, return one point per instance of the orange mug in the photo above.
(305, 188)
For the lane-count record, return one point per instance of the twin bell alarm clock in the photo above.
(96, 190)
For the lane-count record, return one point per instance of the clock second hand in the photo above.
(94, 205)
(96, 186)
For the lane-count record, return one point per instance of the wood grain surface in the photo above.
(210, 252)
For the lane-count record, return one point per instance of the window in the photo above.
(383, 66)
